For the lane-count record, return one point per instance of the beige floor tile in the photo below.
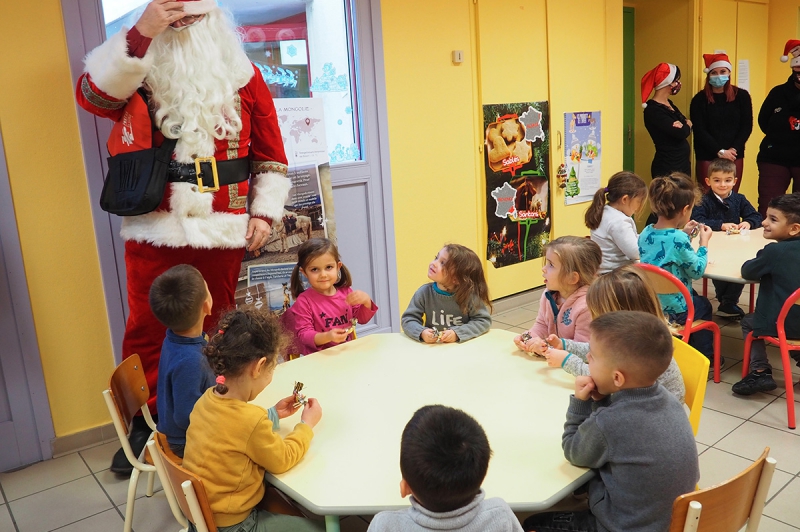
(500, 325)
(99, 457)
(59, 506)
(774, 357)
(532, 307)
(152, 514)
(517, 317)
(6, 524)
(518, 330)
(796, 391)
(715, 425)
(353, 523)
(729, 328)
(108, 521)
(117, 487)
(718, 466)
(42, 476)
(731, 348)
(775, 415)
(719, 397)
(701, 447)
(749, 440)
(733, 374)
(784, 506)
(769, 524)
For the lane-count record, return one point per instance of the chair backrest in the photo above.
(694, 368)
(665, 283)
(129, 390)
(791, 301)
(728, 506)
(178, 476)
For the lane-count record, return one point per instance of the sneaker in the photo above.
(730, 310)
(711, 366)
(755, 382)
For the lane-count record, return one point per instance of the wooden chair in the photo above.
(127, 394)
(664, 283)
(785, 345)
(728, 506)
(694, 368)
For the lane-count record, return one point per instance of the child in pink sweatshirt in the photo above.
(570, 266)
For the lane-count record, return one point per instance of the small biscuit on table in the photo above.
(511, 130)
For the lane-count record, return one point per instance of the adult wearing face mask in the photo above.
(779, 119)
(722, 114)
(667, 126)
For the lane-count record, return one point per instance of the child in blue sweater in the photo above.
(180, 300)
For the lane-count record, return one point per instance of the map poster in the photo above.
(582, 154)
(516, 159)
(308, 212)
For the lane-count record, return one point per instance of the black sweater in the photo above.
(733, 209)
(721, 125)
(779, 119)
(672, 148)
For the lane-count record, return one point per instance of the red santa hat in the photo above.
(198, 7)
(658, 78)
(716, 61)
(792, 47)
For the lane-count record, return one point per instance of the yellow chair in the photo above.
(728, 506)
(694, 368)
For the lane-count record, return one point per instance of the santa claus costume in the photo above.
(203, 91)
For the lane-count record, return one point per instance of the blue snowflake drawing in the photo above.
(291, 50)
(329, 81)
(348, 110)
(342, 154)
(339, 122)
(278, 76)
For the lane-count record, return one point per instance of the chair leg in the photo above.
(748, 342)
(131, 498)
(151, 480)
(705, 287)
(787, 381)
(752, 297)
(717, 352)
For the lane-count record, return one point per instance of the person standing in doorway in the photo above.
(668, 127)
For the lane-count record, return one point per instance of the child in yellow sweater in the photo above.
(230, 443)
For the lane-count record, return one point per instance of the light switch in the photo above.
(458, 56)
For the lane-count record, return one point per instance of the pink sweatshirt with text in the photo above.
(569, 320)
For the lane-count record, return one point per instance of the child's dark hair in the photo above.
(242, 337)
(465, 270)
(641, 341)
(444, 455)
(621, 184)
(669, 195)
(579, 255)
(724, 166)
(177, 296)
(310, 250)
(789, 205)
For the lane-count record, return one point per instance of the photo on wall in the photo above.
(516, 161)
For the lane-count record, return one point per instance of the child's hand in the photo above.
(537, 345)
(584, 386)
(358, 297)
(312, 413)
(690, 226)
(554, 341)
(726, 226)
(555, 357)
(428, 336)
(448, 337)
(519, 343)
(337, 336)
(285, 407)
(705, 234)
(744, 225)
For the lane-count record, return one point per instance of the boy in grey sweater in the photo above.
(444, 455)
(629, 428)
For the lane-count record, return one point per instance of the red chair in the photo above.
(785, 345)
(664, 283)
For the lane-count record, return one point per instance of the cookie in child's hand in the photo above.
(299, 398)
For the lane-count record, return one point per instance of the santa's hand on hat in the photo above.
(157, 16)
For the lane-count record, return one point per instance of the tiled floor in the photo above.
(77, 493)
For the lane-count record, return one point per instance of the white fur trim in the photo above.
(669, 79)
(113, 71)
(784, 58)
(718, 64)
(198, 7)
(269, 193)
(795, 61)
(644, 105)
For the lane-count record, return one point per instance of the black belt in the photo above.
(228, 172)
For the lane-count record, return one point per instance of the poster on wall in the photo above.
(308, 212)
(516, 160)
(582, 154)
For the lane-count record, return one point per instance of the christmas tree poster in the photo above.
(582, 153)
(516, 159)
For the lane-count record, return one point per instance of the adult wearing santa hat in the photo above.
(667, 126)
(779, 119)
(203, 91)
(722, 116)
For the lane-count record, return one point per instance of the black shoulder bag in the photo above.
(136, 180)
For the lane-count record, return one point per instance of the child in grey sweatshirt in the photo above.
(444, 456)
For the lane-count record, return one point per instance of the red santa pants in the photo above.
(144, 334)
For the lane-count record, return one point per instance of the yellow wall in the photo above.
(784, 24)
(421, 82)
(48, 186)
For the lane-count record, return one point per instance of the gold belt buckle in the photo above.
(200, 185)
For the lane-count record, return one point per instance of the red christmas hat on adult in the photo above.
(716, 61)
(792, 47)
(198, 7)
(658, 78)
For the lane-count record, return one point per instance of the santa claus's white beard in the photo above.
(195, 77)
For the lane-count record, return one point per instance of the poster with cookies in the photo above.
(516, 160)
(582, 156)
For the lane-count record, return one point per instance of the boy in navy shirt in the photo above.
(724, 209)
(180, 300)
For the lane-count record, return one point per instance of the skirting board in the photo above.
(82, 440)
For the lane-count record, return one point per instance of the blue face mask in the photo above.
(718, 81)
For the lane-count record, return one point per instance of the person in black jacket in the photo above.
(667, 126)
(724, 209)
(722, 119)
(775, 267)
(779, 119)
